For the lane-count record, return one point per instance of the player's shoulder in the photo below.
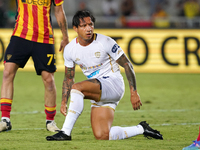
(69, 47)
(71, 44)
(102, 38)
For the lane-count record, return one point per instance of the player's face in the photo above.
(85, 31)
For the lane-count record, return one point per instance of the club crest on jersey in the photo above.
(114, 48)
(97, 54)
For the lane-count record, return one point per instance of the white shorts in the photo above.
(112, 90)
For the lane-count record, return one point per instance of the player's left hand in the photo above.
(135, 100)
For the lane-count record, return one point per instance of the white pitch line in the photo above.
(42, 128)
(118, 111)
(28, 112)
(164, 124)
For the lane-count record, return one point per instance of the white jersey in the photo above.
(97, 59)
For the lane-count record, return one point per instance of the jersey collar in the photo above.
(94, 38)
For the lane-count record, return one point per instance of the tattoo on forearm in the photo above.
(70, 72)
(130, 74)
(66, 90)
(67, 83)
(63, 27)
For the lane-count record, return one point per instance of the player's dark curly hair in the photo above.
(80, 15)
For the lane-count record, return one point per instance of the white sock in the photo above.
(7, 119)
(75, 109)
(118, 133)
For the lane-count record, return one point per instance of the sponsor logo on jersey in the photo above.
(115, 48)
(83, 67)
(92, 67)
(37, 2)
(93, 74)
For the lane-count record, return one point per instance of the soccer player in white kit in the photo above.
(99, 57)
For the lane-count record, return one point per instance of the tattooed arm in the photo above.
(66, 88)
(130, 75)
(62, 22)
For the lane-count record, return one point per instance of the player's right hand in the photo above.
(135, 100)
(63, 44)
(63, 108)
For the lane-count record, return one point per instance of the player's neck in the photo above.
(84, 42)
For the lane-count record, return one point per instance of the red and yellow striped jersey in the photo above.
(33, 20)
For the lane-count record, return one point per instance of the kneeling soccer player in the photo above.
(99, 57)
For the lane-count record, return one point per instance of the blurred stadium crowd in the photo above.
(123, 13)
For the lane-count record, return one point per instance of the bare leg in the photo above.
(101, 120)
(50, 88)
(7, 87)
(50, 100)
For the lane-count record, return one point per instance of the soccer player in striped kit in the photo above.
(33, 36)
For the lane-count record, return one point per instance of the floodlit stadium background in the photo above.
(165, 44)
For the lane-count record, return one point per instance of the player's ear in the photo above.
(75, 28)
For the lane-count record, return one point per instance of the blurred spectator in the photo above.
(180, 7)
(83, 6)
(3, 14)
(160, 17)
(110, 7)
(128, 8)
(121, 22)
(154, 3)
(12, 9)
(159, 12)
(191, 8)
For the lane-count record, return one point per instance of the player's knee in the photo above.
(76, 86)
(49, 83)
(104, 135)
(8, 75)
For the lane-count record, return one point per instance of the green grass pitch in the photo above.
(171, 105)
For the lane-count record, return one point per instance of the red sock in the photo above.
(6, 107)
(50, 112)
(198, 138)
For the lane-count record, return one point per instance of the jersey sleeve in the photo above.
(68, 61)
(112, 48)
(58, 2)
